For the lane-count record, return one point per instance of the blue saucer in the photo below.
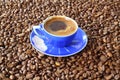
(78, 43)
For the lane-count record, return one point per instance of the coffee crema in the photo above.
(60, 26)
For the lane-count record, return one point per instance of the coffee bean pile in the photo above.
(100, 60)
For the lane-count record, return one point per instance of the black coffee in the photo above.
(60, 26)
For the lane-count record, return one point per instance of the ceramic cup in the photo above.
(55, 40)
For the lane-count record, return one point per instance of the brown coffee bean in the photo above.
(40, 55)
(109, 54)
(29, 76)
(32, 67)
(11, 72)
(1, 44)
(12, 77)
(84, 75)
(115, 23)
(1, 59)
(43, 62)
(23, 56)
(107, 71)
(77, 76)
(21, 78)
(117, 77)
(36, 78)
(84, 55)
(108, 77)
(98, 14)
(2, 75)
(24, 71)
(28, 51)
(23, 67)
(10, 65)
(21, 34)
(47, 60)
(17, 75)
(57, 63)
(103, 58)
(101, 68)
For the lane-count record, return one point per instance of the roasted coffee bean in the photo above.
(36, 78)
(2, 75)
(108, 77)
(29, 76)
(12, 77)
(103, 58)
(117, 77)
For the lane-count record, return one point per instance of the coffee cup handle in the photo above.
(38, 30)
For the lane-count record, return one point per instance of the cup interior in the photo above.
(45, 22)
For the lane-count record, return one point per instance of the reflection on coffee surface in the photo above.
(60, 26)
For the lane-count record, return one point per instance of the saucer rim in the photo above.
(86, 41)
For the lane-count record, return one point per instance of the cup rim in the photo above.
(50, 17)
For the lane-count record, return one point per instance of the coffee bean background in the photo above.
(100, 60)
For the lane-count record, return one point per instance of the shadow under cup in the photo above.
(55, 40)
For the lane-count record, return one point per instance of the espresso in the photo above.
(60, 26)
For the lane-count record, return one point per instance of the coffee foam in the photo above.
(71, 26)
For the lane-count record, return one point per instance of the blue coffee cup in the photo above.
(55, 40)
